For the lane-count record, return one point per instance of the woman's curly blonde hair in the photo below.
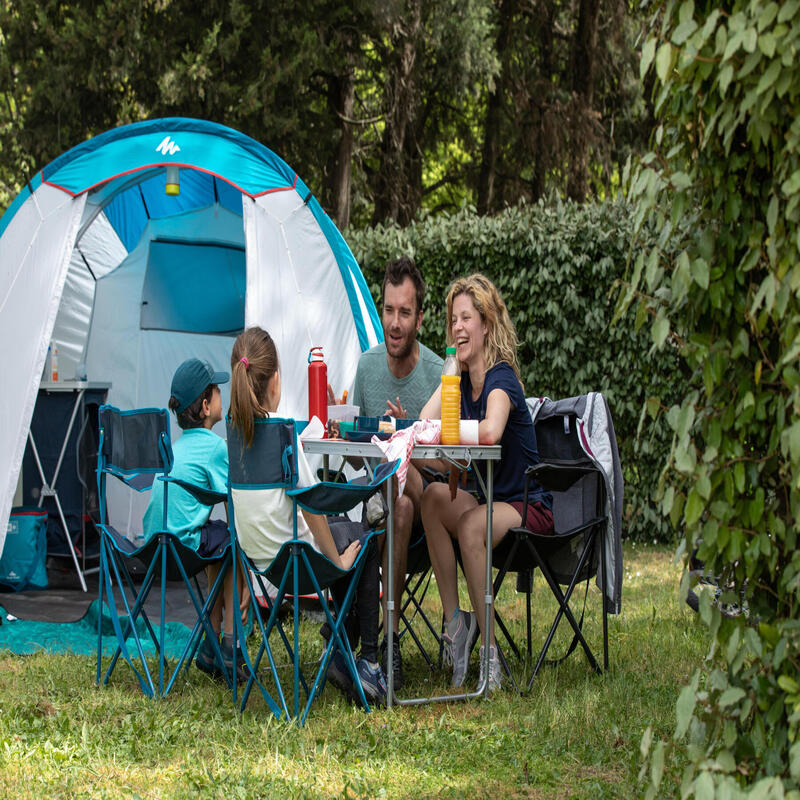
(501, 338)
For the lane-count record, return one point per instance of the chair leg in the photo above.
(564, 609)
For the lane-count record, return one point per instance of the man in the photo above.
(398, 377)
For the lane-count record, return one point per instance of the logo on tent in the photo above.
(167, 147)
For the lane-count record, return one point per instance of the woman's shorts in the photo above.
(540, 518)
(214, 538)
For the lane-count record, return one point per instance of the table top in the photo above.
(72, 386)
(343, 447)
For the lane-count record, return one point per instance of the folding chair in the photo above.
(297, 569)
(580, 467)
(135, 448)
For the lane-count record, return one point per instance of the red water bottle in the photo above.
(317, 386)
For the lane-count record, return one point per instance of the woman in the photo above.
(491, 392)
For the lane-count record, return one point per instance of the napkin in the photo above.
(314, 430)
(401, 443)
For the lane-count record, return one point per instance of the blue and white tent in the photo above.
(97, 259)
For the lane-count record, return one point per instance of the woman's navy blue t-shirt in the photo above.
(518, 442)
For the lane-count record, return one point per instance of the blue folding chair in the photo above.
(134, 447)
(297, 569)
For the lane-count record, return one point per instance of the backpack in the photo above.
(23, 564)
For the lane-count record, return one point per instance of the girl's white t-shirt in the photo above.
(263, 517)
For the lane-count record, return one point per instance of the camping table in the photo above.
(487, 453)
(48, 488)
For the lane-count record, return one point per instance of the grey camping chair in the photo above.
(580, 467)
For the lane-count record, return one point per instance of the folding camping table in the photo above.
(48, 487)
(470, 453)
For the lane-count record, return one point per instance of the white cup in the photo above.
(468, 431)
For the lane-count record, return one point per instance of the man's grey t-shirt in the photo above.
(375, 385)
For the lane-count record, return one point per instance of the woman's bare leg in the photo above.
(472, 541)
(440, 517)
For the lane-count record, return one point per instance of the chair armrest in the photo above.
(139, 481)
(558, 477)
(207, 497)
(328, 497)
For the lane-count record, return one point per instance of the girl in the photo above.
(492, 392)
(264, 517)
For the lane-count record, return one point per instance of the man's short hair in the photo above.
(397, 270)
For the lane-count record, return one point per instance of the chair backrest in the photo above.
(135, 442)
(594, 436)
(134, 446)
(270, 462)
(558, 443)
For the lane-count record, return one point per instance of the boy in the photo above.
(200, 458)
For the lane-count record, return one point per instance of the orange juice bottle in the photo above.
(451, 397)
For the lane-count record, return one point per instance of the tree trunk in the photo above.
(583, 67)
(341, 98)
(494, 110)
(398, 187)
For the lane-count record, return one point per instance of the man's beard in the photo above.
(405, 349)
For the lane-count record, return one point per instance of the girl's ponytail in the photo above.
(254, 360)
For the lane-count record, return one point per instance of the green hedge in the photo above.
(556, 267)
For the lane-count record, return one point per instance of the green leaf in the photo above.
(664, 61)
(769, 77)
(684, 709)
(738, 476)
(789, 11)
(683, 32)
(704, 787)
(660, 331)
(680, 180)
(772, 214)
(766, 44)
(750, 40)
(701, 272)
(725, 77)
(792, 184)
(648, 51)
(730, 696)
(788, 684)
(694, 507)
(657, 764)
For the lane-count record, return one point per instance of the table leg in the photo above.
(49, 489)
(389, 589)
(489, 594)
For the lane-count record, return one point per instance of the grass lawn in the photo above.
(575, 735)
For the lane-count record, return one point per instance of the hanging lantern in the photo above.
(173, 187)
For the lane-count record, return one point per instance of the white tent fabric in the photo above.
(40, 233)
(77, 245)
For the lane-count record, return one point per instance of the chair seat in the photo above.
(193, 563)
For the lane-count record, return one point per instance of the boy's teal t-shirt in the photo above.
(200, 458)
(374, 385)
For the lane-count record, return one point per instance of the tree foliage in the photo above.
(722, 187)
(555, 267)
(385, 109)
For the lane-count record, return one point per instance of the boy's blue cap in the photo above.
(191, 379)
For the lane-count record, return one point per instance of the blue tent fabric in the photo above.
(249, 166)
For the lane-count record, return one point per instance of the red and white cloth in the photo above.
(401, 443)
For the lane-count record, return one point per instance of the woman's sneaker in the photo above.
(458, 647)
(495, 670)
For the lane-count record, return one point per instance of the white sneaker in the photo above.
(495, 670)
(459, 646)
